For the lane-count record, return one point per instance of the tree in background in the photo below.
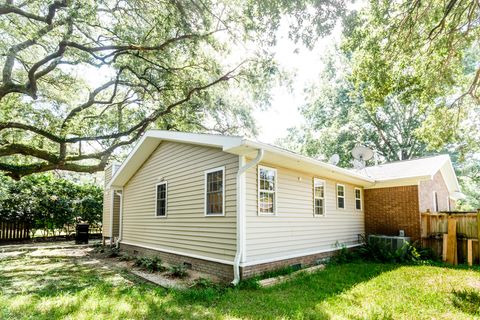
(406, 86)
(49, 203)
(337, 119)
(164, 64)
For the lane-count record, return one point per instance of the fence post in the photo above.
(478, 232)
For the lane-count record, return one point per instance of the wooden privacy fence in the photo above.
(14, 230)
(462, 237)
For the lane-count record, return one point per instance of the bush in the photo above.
(379, 251)
(178, 271)
(46, 202)
(152, 264)
(113, 252)
(125, 257)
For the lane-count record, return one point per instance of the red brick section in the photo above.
(250, 271)
(387, 210)
(220, 270)
(225, 271)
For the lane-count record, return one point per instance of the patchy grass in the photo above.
(61, 287)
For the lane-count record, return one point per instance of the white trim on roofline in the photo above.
(230, 144)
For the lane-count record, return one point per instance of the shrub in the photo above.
(379, 251)
(113, 252)
(150, 264)
(178, 271)
(125, 257)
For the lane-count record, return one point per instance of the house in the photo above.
(404, 189)
(236, 207)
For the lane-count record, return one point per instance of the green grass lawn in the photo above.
(68, 288)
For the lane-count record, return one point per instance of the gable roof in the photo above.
(390, 174)
(407, 171)
(234, 145)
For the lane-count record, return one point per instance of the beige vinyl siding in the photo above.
(294, 230)
(107, 202)
(186, 229)
(116, 214)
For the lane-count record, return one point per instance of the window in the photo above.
(215, 192)
(318, 196)
(161, 199)
(449, 205)
(435, 201)
(267, 186)
(340, 196)
(358, 199)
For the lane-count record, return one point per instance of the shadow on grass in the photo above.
(66, 288)
(467, 301)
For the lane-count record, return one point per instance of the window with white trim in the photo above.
(215, 192)
(358, 199)
(161, 199)
(340, 196)
(267, 186)
(318, 197)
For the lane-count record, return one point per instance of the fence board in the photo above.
(14, 230)
(435, 225)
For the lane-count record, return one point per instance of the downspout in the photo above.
(241, 212)
(120, 220)
(112, 202)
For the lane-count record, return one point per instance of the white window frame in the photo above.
(435, 201)
(449, 206)
(355, 197)
(324, 197)
(274, 192)
(344, 196)
(166, 199)
(223, 192)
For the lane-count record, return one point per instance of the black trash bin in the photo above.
(81, 235)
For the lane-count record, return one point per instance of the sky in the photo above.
(306, 65)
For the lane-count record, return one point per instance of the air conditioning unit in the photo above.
(394, 242)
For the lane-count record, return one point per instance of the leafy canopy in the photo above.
(83, 79)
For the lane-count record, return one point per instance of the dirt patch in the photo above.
(164, 278)
(70, 252)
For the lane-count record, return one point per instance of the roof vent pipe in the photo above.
(241, 212)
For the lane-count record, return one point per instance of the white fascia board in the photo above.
(399, 182)
(249, 146)
(150, 141)
(450, 177)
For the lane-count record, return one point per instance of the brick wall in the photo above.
(219, 270)
(223, 271)
(250, 271)
(387, 210)
(426, 190)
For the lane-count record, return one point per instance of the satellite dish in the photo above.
(362, 153)
(334, 159)
(357, 164)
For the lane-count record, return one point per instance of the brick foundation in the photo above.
(220, 270)
(225, 271)
(387, 210)
(250, 271)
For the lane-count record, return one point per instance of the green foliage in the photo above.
(82, 80)
(151, 264)
(379, 251)
(49, 203)
(113, 252)
(337, 118)
(178, 271)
